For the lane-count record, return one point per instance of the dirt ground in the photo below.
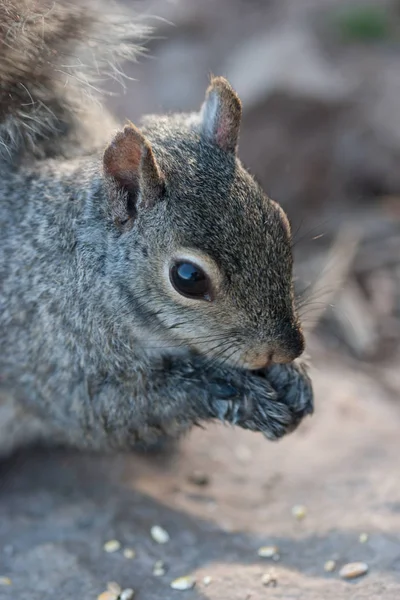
(58, 509)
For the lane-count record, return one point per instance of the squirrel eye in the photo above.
(190, 281)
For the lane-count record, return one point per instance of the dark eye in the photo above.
(190, 281)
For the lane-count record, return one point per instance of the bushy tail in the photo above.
(54, 58)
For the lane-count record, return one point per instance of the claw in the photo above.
(235, 416)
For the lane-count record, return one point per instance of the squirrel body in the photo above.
(145, 287)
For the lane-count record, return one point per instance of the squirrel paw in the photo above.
(274, 401)
(293, 386)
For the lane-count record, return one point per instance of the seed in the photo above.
(269, 580)
(112, 546)
(107, 596)
(363, 538)
(353, 570)
(159, 534)
(129, 553)
(268, 552)
(199, 478)
(5, 581)
(183, 583)
(113, 587)
(330, 566)
(207, 580)
(159, 568)
(299, 512)
(127, 594)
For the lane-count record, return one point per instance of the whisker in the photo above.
(297, 241)
(180, 344)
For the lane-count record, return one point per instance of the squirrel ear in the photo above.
(221, 115)
(129, 161)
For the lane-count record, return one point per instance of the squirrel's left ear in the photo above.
(130, 164)
(221, 115)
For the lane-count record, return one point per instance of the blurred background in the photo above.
(320, 85)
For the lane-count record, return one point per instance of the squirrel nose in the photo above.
(290, 346)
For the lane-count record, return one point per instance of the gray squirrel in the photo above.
(146, 279)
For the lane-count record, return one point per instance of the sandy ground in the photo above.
(57, 509)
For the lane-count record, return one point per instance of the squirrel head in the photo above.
(204, 255)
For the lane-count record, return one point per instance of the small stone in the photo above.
(353, 570)
(107, 596)
(5, 581)
(269, 580)
(199, 478)
(363, 538)
(112, 546)
(127, 594)
(129, 553)
(330, 566)
(299, 512)
(268, 552)
(207, 580)
(183, 583)
(159, 568)
(113, 587)
(159, 534)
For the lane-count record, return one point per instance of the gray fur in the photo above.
(54, 60)
(95, 351)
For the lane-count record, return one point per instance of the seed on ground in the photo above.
(159, 568)
(5, 581)
(353, 570)
(269, 579)
(107, 596)
(112, 546)
(268, 552)
(299, 512)
(207, 580)
(112, 586)
(159, 534)
(129, 553)
(127, 594)
(183, 583)
(363, 538)
(330, 566)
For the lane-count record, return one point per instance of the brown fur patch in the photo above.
(122, 158)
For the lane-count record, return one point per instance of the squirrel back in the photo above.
(54, 59)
